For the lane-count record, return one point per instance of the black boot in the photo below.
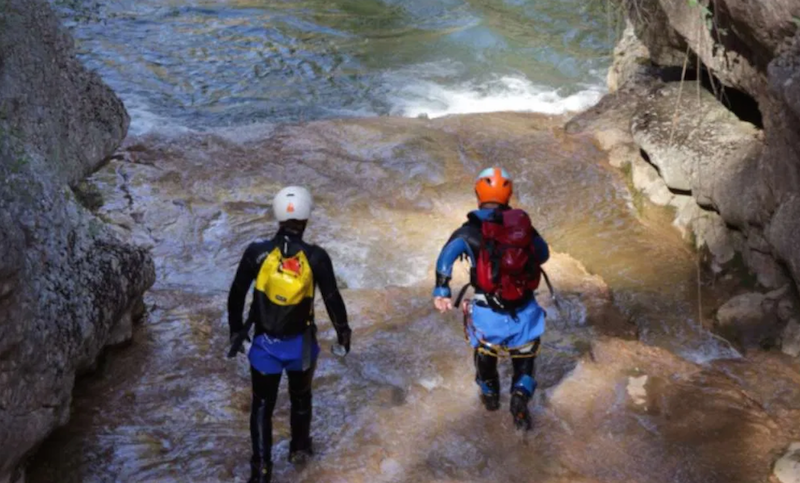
(519, 410)
(487, 378)
(300, 455)
(265, 393)
(260, 471)
(490, 394)
(522, 389)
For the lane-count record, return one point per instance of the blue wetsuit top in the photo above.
(465, 243)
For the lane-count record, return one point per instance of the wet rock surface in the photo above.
(679, 404)
(403, 405)
(680, 417)
(631, 60)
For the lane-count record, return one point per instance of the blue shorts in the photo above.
(271, 355)
(504, 329)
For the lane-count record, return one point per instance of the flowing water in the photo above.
(633, 388)
(200, 63)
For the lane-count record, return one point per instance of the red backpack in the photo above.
(507, 267)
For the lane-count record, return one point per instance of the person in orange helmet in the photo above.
(505, 253)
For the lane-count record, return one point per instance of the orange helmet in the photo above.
(493, 185)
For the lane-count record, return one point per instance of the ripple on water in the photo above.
(187, 66)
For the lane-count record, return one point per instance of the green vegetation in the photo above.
(88, 195)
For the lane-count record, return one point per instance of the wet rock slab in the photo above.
(403, 406)
(628, 408)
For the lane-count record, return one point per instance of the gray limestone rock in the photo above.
(66, 282)
(647, 180)
(701, 147)
(782, 234)
(749, 321)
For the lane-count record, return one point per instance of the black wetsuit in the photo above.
(278, 322)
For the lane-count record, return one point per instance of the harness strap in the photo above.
(461, 294)
(547, 281)
(522, 352)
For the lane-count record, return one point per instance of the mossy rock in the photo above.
(88, 195)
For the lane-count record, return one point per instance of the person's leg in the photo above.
(523, 385)
(265, 394)
(487, 378)
(479, 319)
(301, 412)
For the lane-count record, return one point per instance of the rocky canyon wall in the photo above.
(68, 286)
(703, 113)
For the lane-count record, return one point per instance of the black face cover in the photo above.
(293, 227)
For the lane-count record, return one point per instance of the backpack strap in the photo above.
(461, 294)
(494, 256)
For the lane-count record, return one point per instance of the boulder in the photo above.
(758, 257)
(782, 234)
(686, 212)
(49, 99)
(699, 146)
(751, 50)
(647, 180)
(734, 38)
(749, 321)
(790, 341)
(630, 62)
(710, 231)
(787, 468)
(68, 286)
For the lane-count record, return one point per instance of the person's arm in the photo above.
(241, 284)
(541, 249)
(334, 304)
(456, 247)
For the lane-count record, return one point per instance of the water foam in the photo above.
(144, 120)
(502, 94)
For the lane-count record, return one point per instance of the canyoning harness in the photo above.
(553, 295)
(524, 351)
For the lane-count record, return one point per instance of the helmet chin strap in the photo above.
(293, 227)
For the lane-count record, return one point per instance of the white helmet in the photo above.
(292, 203)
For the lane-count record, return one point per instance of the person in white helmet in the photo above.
(286, 270)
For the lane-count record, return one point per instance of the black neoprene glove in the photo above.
(343, 337)
(235, 336)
